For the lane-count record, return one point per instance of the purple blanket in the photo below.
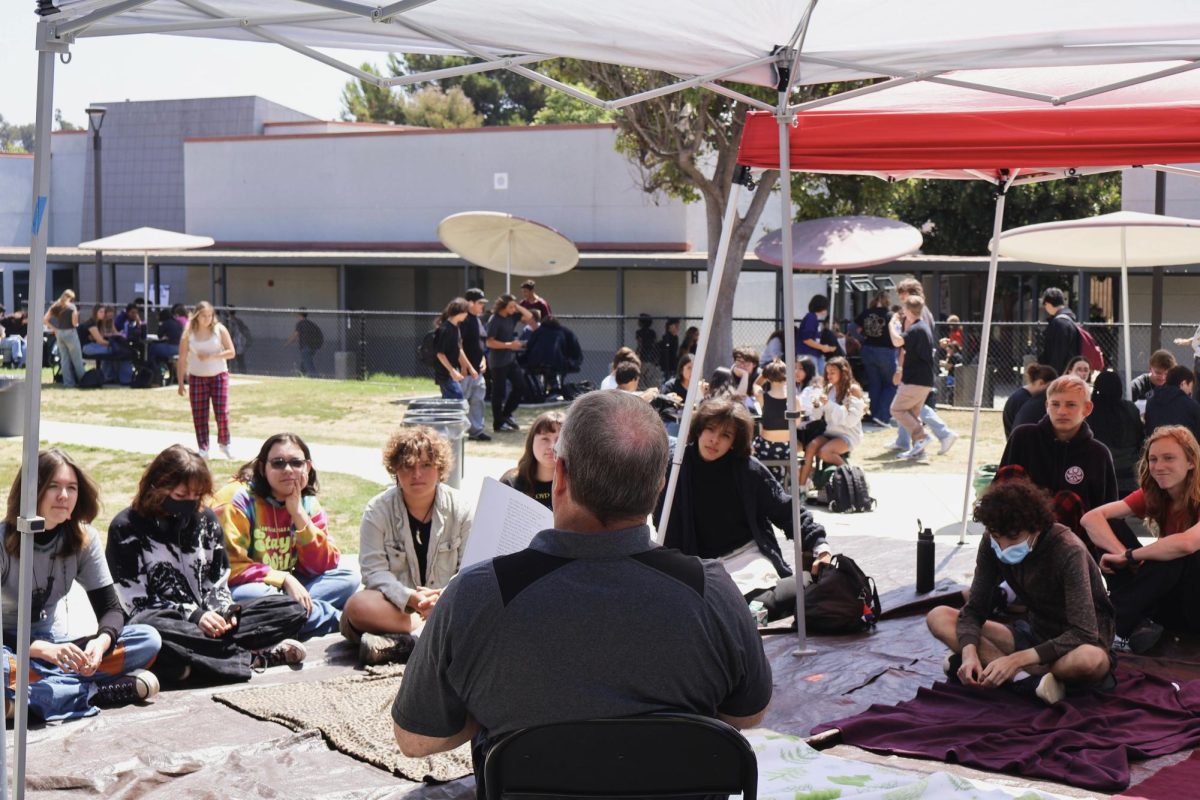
(1086, 741)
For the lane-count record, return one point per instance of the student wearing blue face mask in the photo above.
(1068, 634)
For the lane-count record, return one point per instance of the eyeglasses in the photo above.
(282, 463)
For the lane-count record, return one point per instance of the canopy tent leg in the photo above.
(1125, 315)
(29, 522)
(693, 390)
(784, 118)
(981, 370)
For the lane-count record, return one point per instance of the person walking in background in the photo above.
(911, 287)
(203, 351)
(531, 301)
(508, 379)
(474, 334)
(1061, 342)
(63, 318)
(878, 356)
(915, 378)
(309, 338)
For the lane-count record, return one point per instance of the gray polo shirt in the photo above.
(579, 626)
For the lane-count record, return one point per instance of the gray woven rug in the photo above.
(355, 716)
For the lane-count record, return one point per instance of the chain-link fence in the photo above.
(362, 344)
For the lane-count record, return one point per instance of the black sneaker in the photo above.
(289, 652)
(385, 648)
(479, 437)
(1142, 638)
(505, 427)
(513, 423)
(138, 685)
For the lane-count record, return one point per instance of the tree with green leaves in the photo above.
(563, 109)
(363, 101)
(433, 107)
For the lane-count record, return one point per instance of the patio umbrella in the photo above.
(1120, 240)
(508, 244)
(146, 241)
(834, 243)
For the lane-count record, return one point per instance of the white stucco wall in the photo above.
(396, 187)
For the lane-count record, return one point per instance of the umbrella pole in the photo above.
(508, 263)
(1125, 313)
(29, 522)
(789, 353)
(981, 367)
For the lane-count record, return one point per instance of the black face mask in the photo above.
(180, 508)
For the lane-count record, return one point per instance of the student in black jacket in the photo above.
(1117, 423)
(1172, 403)
(726, 503)
(1028, 404)
(1061, 342)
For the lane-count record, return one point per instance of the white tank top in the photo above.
(210, 345)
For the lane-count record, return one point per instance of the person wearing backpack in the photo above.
(726, 503)
(1061, 341)
(310, 339)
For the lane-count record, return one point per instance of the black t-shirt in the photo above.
(918, 356)
(541, 489)
(874, 326)
(473, 335)
(420, 534)
(449, 340)
(170, 331)
(309, 335)
(719, 513)
(14, 326)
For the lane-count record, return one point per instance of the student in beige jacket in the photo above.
(412, 540)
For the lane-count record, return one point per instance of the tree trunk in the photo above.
(720, 341)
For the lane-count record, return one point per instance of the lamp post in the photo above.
(95, 120)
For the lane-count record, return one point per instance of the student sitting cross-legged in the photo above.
(1069, 630)
(1156, 585)
(413, 536)
(70, 678)
(167, 556)
(276, 536)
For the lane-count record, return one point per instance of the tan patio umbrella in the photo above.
(508, 244)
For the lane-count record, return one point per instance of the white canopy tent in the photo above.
(774, 43)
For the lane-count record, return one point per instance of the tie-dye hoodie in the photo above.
(263, 544)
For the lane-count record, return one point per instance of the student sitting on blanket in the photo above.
(276, 537)
(1161, 581)
(168, 561)
(412, 540)
(1069, 631)
(726, 502)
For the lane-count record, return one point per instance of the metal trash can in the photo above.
(12, 406)
(447, 417)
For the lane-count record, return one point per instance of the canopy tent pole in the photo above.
(981, 368)
(508, 262)
(29, 523)
(789, 353)
(1125, 315)
(693, 390)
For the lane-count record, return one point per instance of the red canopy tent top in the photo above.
(930, 130)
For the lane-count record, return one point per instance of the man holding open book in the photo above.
(593, 619)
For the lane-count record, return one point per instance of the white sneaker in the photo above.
(895, 445)
(1050, 689)
(916, 451)
(225, 450)
(204, 454)
(947, 443)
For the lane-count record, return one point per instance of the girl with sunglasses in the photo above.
(276, 537)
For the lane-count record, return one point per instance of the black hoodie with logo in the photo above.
(1081, 465)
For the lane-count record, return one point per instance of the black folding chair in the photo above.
(656, 755)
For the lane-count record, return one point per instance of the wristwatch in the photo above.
(1129, 559)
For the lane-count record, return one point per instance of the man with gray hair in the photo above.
(592, 619)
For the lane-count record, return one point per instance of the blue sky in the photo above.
(162, 67)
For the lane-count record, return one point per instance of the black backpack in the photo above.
(92, 379)
(842, 599)
(146, 376)
(846, 491)
(427, 349)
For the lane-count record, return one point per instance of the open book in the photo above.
(505, 521)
